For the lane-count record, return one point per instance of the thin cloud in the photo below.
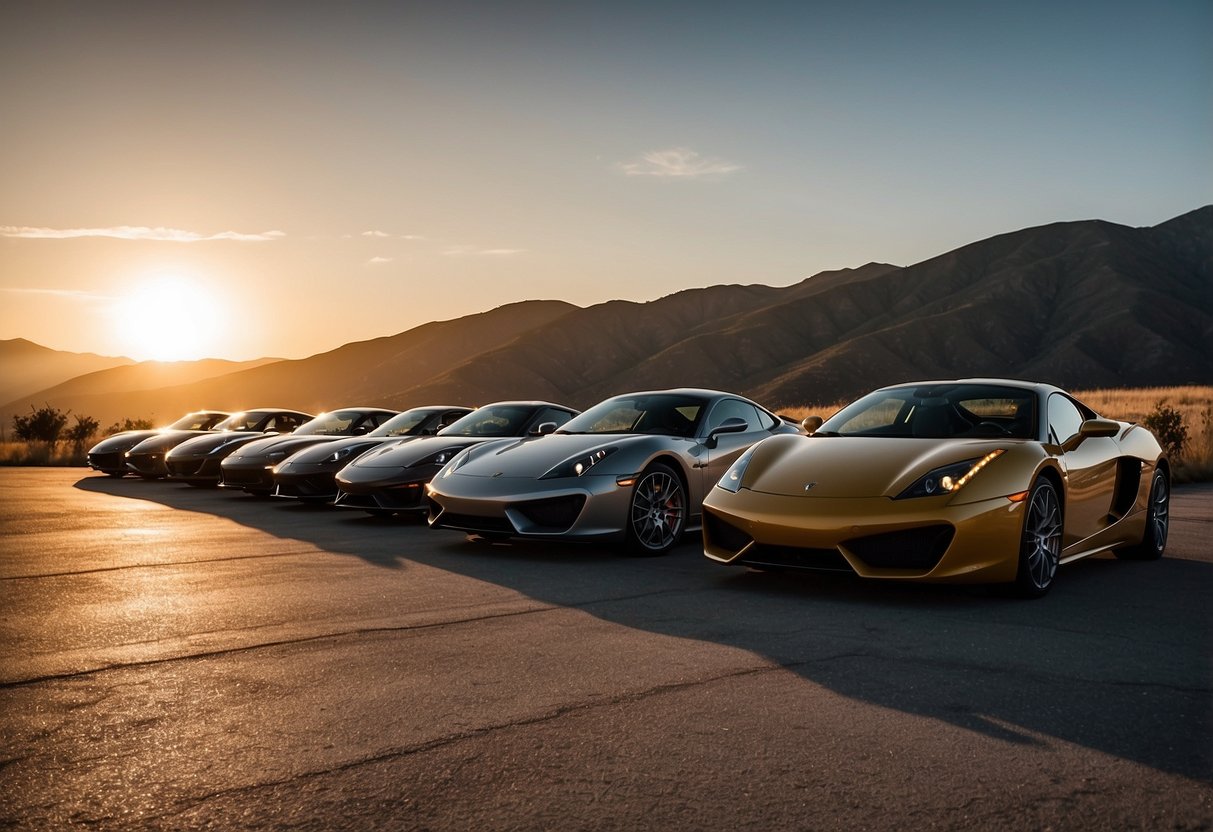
(375, 261)
(384, 235)
(135, 232)
(677, 163)
(473, 251)
(67, 294)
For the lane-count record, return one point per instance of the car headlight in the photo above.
(731, 481)
(345, 453)
(437, 458)
(579, 466)
(948, 479)
(456, 462)
(218, 448)
(277, 456)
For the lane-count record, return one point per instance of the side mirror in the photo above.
(811, 424)
(733, 424)
(1099, 427)
(543, 429)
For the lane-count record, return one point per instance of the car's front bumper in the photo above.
(586, 508)
(875, 537)
(253, 477)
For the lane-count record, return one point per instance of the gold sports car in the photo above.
(979, 480)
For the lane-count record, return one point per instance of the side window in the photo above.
(734, 409)
(552, 414)
(1064, 418)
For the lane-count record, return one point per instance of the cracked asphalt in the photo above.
(182, 658)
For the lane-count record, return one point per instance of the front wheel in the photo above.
(657, 515)
(1040, 544)
(1158, 520)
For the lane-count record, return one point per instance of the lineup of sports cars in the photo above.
(991, 481)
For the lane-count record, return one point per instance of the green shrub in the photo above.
(43, 425)
(1167, 425)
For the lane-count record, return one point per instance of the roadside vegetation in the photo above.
(1181, 418)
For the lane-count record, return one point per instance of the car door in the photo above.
(1090, 469)
(716, 455)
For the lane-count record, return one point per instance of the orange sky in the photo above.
(238, 180)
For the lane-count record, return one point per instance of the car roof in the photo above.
(1039, 387)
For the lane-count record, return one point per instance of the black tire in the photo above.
(1158, 522)
(1040, 541)
(657, 512)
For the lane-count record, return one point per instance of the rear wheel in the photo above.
(1040, 544)
(658, 511)
(1158, 520)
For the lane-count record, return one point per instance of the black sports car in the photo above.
(147, 458)
(250, 466)
(392, 479)
(308, 474)
(108, 455)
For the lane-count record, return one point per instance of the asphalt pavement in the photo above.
(175, 657)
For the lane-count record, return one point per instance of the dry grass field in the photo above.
(1195, 405)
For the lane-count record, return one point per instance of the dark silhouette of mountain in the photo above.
(1080, 304)
(128, 379)
(26, 367)
(364, 372)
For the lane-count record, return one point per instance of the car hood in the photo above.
(121, 441)
(207, 442)
(853, 466)
(163, 440)
(404, 454)
(319, 453)
(534, 456)
(281, 444)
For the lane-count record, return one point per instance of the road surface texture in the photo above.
(180, 658)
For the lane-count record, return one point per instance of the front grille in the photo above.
(183, 469)
(244, 476)
(796, 557)
(553, 513)
(110, 462)
(919, 548)
(316, 486)
(473, 523)
(724, 534)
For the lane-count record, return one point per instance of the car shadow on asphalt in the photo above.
(1114, 659)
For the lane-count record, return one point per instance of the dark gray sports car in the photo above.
(250, 467)
(309, 474)
(634, 467)
(109, 455)
(147, 458)
(392, 479)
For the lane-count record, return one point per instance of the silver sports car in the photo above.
(635, 467)
(392, 479)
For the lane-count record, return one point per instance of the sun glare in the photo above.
(170, 319)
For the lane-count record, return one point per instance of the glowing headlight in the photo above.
(344, 453)
(948, 479)
(731, 481)
(579, 466)
(438, 458)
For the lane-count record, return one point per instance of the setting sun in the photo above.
(169, 319)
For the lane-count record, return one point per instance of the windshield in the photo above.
(402, 424)
(938, 411)
(241, 421)
(337, 423)
(198, 421)
(492, 420)
(668, 414)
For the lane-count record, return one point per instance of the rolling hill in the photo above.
(26, 367)
(1080, 304)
